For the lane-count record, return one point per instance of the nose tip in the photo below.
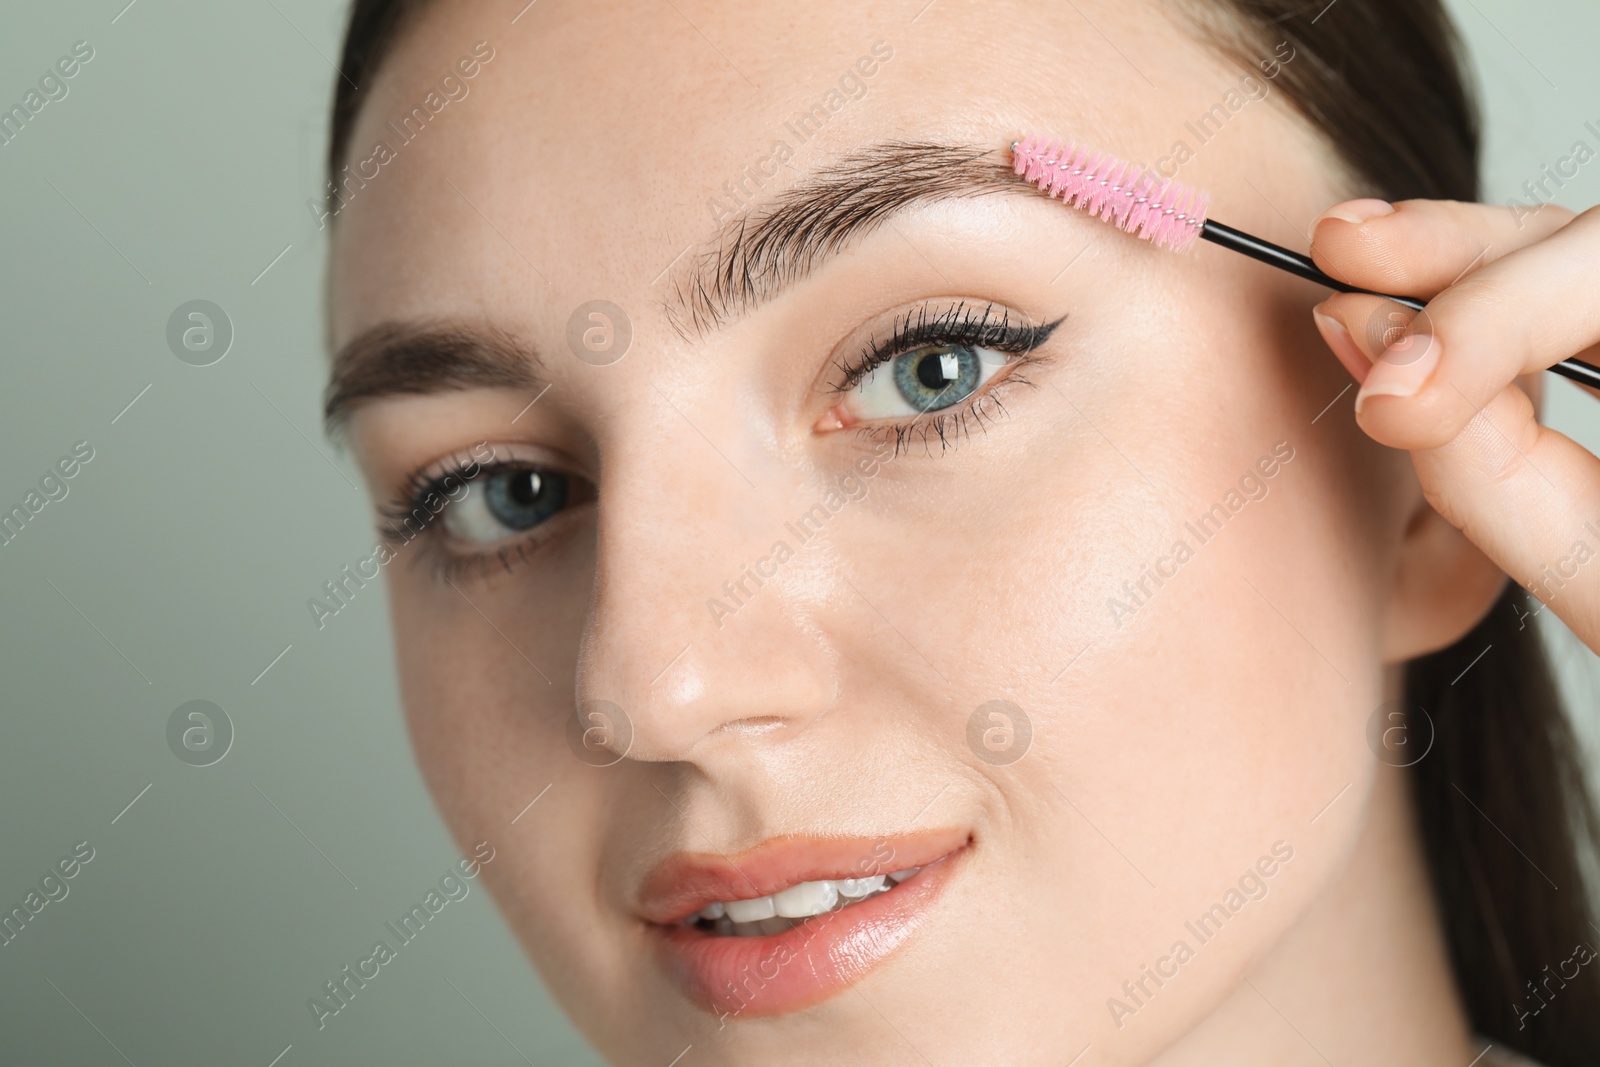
(702, 623)
(764, 676)
(749, 687)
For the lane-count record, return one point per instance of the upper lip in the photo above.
(686, 882)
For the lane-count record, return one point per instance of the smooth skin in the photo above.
(1173, 745)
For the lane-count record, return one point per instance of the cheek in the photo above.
(490, 735)
(486, 682)
(1188, 708)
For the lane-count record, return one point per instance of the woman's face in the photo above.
(1089, 479)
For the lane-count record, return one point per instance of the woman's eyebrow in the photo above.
(774, 245)
(749, 261)
(428, 357)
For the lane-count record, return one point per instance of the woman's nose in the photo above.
(702, 619)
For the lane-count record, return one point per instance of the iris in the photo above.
(936, 376)
(522, 499)
(508, 501)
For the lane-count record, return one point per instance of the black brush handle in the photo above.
(1301, 266)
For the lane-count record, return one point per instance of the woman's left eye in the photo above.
(925, 378)
(506, 502)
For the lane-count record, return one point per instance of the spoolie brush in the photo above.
(1172, 215)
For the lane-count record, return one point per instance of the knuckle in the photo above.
(1441, 501)
(1386, 323)
(1589, 216)
(1499, 437)
(1505, 466)
(1482, 312)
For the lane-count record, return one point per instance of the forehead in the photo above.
(600, 143)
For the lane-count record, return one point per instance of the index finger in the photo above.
(1535, 307)
(1421, 247)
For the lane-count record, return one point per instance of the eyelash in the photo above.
(961, 324)
(446, 565)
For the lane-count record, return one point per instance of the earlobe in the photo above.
(1443, 587)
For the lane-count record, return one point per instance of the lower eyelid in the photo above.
(477, 558)
(998, 377)
(955, 423)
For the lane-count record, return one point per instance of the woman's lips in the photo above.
(818, 957)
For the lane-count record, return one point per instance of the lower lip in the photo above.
(748, 977)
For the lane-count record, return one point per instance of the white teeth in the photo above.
(806, 899)
(750, 911)
(772, 914)
(856, 888)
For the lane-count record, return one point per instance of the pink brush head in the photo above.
(1131, 198)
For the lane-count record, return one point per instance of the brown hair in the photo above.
(369, 34)
(1506, 819)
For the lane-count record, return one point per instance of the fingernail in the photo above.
(1356, 211)
(1402, 369)
(1342, 344)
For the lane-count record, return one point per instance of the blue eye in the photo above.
(938, 362)
(937, 376)
(504, 502)
(926, 378)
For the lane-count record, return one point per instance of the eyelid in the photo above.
(487, 458)
(451, 558)
(487, 454)
(961, 322)
(966, 322)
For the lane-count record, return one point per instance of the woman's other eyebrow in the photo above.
(429, 357)
(750, 260)
(772, 246)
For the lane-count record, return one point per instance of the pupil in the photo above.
(930, 372)
(525, 487)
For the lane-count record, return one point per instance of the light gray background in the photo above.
(178, 168)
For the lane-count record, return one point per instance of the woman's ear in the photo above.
(1443, 587)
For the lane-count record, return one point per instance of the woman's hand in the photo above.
(1509, 293)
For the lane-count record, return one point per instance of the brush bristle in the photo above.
(1130, 197)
